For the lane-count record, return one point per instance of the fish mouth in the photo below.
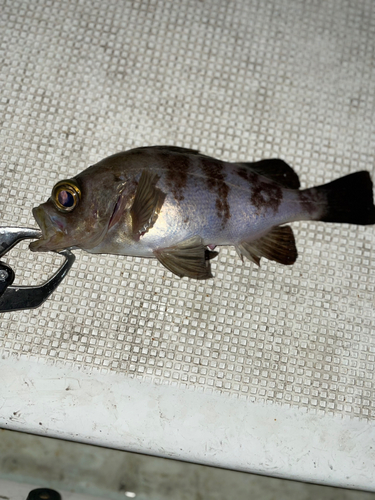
(51, 239)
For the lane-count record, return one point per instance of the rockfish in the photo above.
(177, 205)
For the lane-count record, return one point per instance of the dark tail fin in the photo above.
(349, 199)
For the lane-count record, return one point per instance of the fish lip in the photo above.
(51, 235)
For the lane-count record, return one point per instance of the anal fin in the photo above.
(277, 245)
(188, 258)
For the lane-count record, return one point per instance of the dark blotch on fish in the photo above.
(176, 175)
(263, 194)
(215, 181)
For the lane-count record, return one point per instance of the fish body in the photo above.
(177, 205)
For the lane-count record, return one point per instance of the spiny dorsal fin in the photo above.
(277, 245)
(188, 258)
(172, 149)
(276, 170)
(147, 203)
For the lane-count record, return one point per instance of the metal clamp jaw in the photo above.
(14, 298)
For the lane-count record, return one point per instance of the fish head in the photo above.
(79, 212)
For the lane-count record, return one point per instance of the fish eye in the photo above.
(66, 195)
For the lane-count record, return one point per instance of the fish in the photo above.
(177, 205)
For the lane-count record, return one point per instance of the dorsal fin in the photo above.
(172, 149)
(276, 170)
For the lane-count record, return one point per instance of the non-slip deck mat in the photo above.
(237, 80)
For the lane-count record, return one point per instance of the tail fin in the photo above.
(349, 199)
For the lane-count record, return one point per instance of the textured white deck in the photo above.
(268, 370)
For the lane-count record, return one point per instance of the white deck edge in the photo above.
(119, 412)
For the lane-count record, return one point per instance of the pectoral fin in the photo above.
(188, 258)
(277, 245)
(147, 203)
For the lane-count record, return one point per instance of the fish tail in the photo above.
(348, 199)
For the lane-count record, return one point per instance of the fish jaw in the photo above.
(52, 236)
(62, 231)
